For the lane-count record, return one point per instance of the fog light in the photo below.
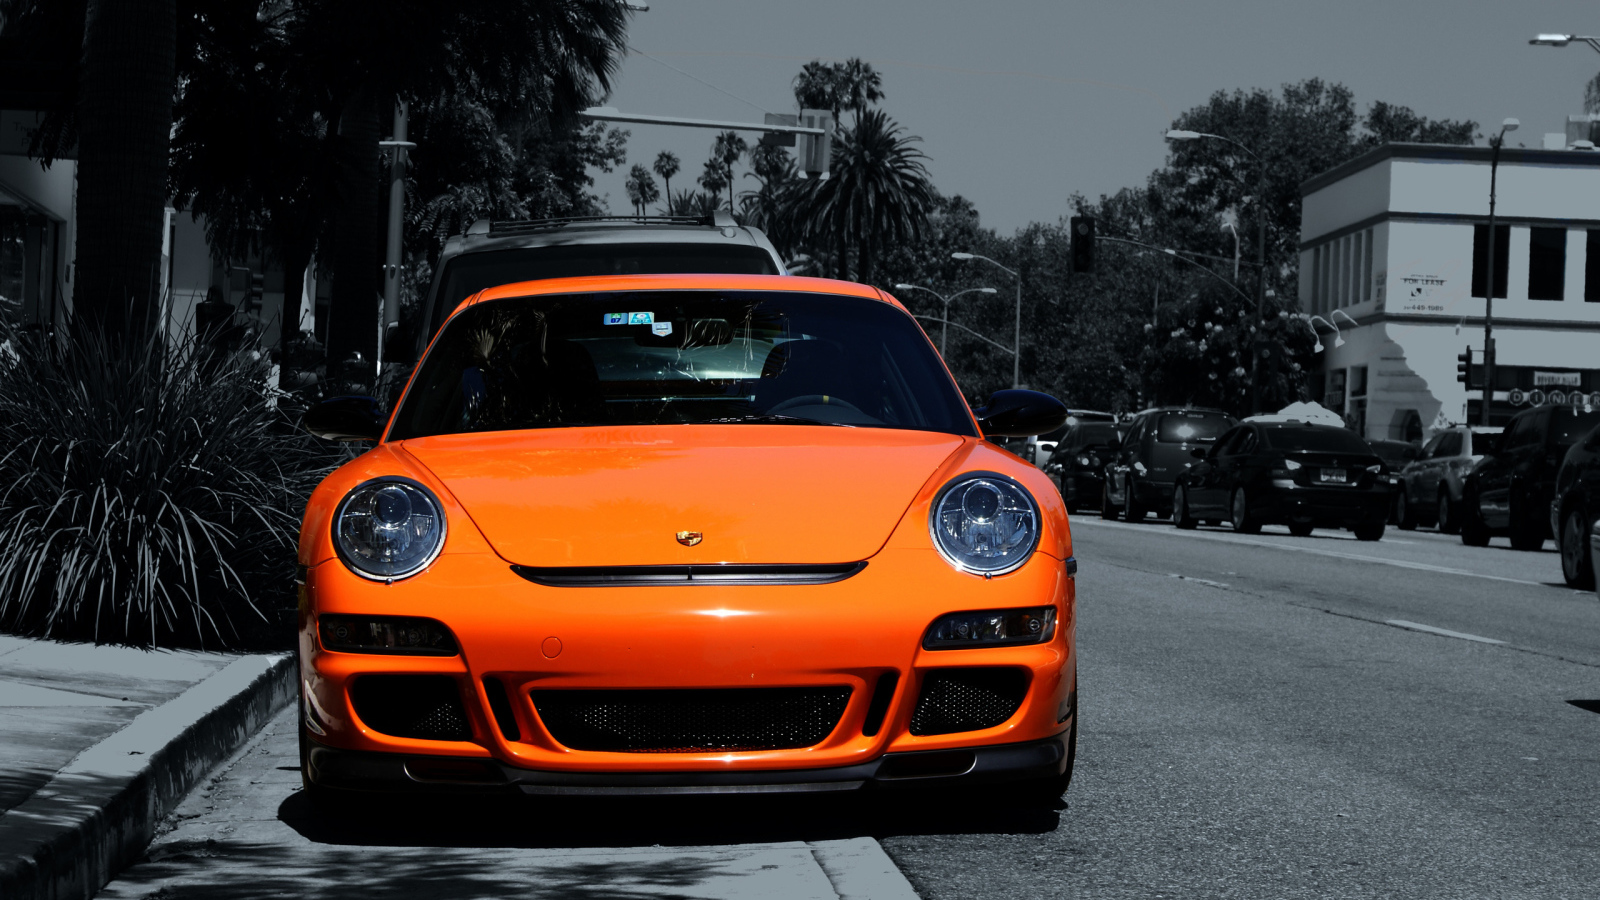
(386, 634)
(992, 627)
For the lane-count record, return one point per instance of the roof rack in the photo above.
(720, 219)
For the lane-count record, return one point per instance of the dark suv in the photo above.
(493, 253)
(1157, 449)
(1510, 490)
(1300, 474)
(1078, 462)
(1576, 507)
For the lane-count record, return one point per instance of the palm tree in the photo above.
(726, 150)
(666, 165)
(879, 193)
(852, 84)
(641, 188)
(713, 177)
(124, 117)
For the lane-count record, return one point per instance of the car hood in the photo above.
(619, 496)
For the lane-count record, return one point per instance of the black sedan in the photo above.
(1291, 473)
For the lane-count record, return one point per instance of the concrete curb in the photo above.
(97, 815)
(859, 869)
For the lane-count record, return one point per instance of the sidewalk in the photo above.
(100, 743)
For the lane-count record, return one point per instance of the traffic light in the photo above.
(815, 150)
(1082, 244)
(1464, 367)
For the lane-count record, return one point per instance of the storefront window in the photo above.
(27, 265)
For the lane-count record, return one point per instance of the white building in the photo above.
(1393, 248)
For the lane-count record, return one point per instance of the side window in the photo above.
(1449, 444)
(1247, 443)
(1524, 431)
(1135, 434)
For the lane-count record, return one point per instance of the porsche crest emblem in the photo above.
(690, 538)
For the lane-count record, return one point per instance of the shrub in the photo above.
(149, 494)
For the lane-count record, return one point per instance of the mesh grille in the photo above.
(691, 721)
(967, 699)
(427, 707)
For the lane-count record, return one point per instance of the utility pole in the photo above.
(1495, 143)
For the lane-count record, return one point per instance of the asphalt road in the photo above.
(1253, 725)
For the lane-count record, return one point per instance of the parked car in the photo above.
(1143, 466)
(1299, 474)
(1395, 455)
(1078, 463)
(610, 537)
(1509, 492)
(1576, 509)
(495, 252)
(1037, 449)
(1430, 486)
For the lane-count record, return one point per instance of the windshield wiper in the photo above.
(771, 420)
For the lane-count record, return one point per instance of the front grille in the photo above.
(427, 707)
(691, 721)
(967, 699)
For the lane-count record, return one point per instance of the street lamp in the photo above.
(1016, 341)
(1177, 134)
(1338, 339)
(1495, 144)
(945, 327)
(1561, 40)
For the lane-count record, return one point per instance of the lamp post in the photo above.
(1561, 40)
(944, 331)
(1016, 341)
(1261, 242)
(1495, 144)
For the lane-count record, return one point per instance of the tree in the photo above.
(1591, 95)
(713, 178)
(879, 193)
(666, 165)
(725, 151)
(851, 85)
(641, 188)
(1386, 123)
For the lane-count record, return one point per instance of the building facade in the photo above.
(1394, 272)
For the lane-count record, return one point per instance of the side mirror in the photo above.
(1020, 414)
(345, 419)
(1200, 452)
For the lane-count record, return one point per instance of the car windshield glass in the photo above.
(673, 357)
(1316, 438)
(1391, 452)
(1096, 435)
(1569, 425)
(470, 273)
(1177, 428)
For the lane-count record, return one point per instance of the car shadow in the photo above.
(568, 822)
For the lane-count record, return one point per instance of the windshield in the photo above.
(1316, 438)
(675, 357)
(1095, 435)
(470, 273)
(1187, 427)
(1569, 425)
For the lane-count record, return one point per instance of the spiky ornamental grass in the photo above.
(149, 496)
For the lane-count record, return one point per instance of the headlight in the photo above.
(388, 528)
(984, 523)
(991, 627)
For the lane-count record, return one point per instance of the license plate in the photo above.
(1333, 476)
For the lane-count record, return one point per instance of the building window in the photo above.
(1366, 265)
(1480, 258)
(1355, 415)
(1591, 267)
(1547, 263)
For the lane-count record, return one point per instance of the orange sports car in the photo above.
(682, 534)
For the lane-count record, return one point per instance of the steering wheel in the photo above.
(814, 400)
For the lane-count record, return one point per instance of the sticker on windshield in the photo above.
(641, 318)
(660, 329)
(616, 318)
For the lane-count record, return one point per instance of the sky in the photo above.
(1021, 103)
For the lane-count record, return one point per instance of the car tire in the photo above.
(1241, 519)
(1405, 517)
(1180, 510)
(1131, 510)
(1577, 567)
(1449, 519)
(1474, 533)
(1370, 531)
(1301, 529)
(1107, 511)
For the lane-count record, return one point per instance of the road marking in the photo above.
(1216, 584)
(1314, 551)
(1413, 626)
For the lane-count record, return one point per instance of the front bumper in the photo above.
(529, 637)
(387, 772)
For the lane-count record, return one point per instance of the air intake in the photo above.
(967, 699)
(691, 721)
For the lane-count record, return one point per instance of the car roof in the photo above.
(485, 235)
(678, 282)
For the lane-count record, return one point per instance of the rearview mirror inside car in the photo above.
(1018, 413)
(345, 419)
